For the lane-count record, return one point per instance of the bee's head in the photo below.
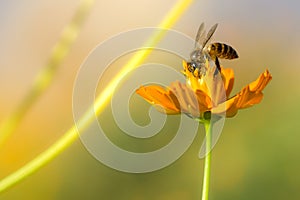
(197, 62)
(198, 57)
(195, 55)
(192, 65)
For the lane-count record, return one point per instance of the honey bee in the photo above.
(203, 52)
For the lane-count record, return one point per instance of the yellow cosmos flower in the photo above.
(199, 96)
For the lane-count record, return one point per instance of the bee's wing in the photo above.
(200, 34)
(209, 34)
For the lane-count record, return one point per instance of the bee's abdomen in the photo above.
(222, 51)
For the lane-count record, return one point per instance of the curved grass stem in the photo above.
(69, 137)
(45, 77)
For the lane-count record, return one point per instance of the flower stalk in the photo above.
(207, 160)
(200, 99)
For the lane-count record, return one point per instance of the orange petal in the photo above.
(228, 78)
(252, 93)
(247, 98)
(228, 107)
(155, 94)
(204, 101)
(186, 97)
(261, 82)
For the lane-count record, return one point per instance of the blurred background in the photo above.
(257, 156)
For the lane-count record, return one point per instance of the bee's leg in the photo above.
(218, 66)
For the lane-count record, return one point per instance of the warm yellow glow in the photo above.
(71, 135)
(106, 94)
(45, 77)
(134, 62)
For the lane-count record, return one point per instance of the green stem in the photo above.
(207, 161)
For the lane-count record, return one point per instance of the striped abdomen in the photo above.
(221, 50)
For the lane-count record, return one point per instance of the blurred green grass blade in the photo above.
(45, 77)
(71, 135)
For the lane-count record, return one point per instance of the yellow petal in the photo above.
(195, 82)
